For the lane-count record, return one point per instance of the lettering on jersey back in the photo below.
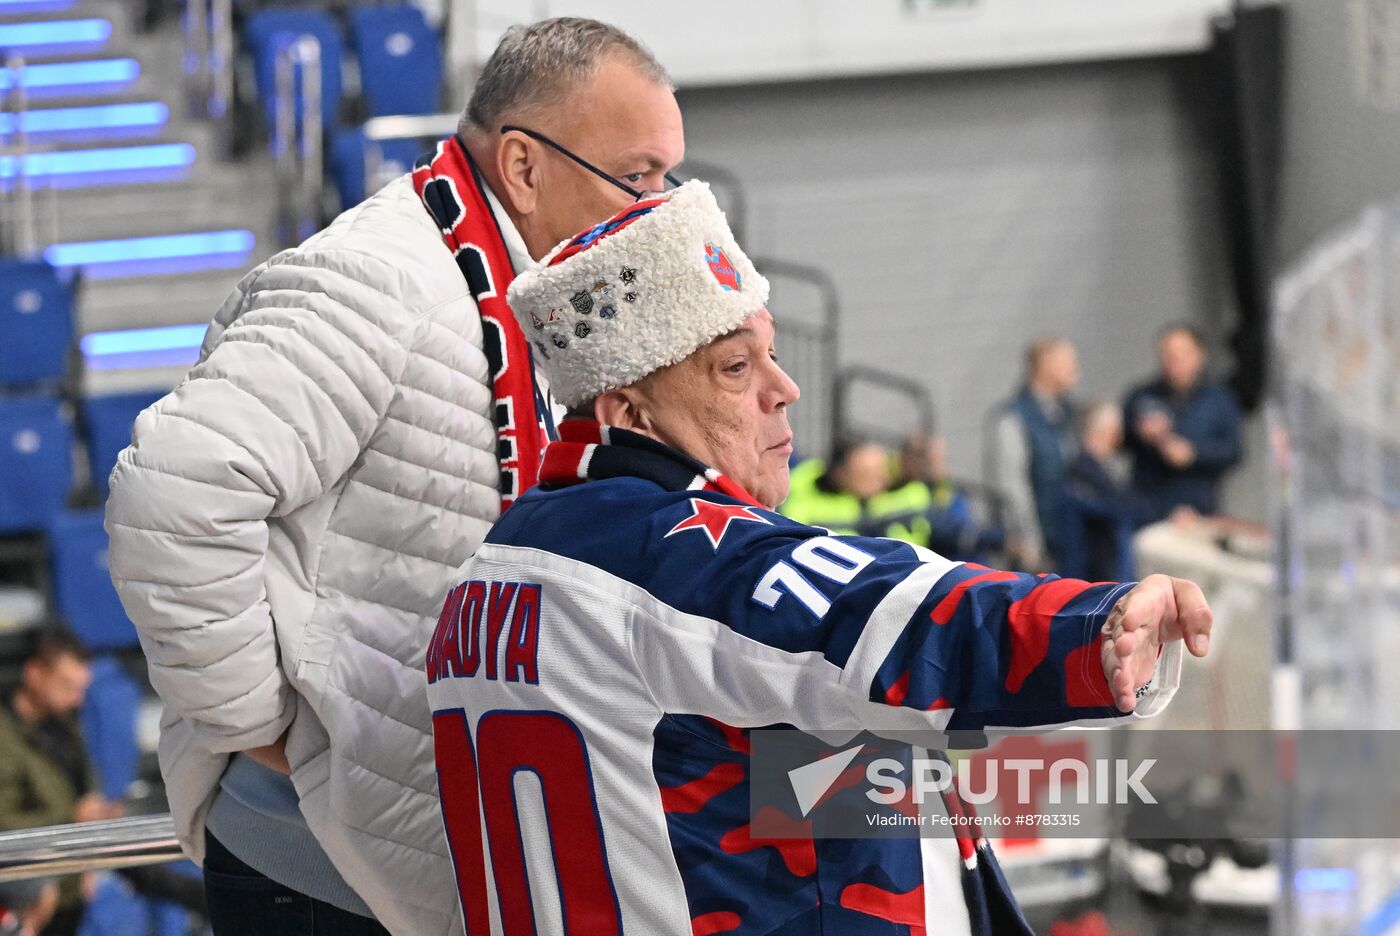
(469, 631)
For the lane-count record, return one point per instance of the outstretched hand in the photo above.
(1158, 610)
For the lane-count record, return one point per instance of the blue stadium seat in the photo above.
(109, 727)
(268, 29)
(400, 60)
(36, 320)
(115, 910)
(349, 150)
(83, 590)
(36, 462)
(107, 422)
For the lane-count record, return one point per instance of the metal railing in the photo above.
(409, 126)
(296, 138)
(209, 45)
(462, 61)
(220, 61)
(87, 846)
(914, 394)
(195, 26)
(379, 171)
(807, 347)
(17, 234)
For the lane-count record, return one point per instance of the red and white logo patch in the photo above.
(722, 267)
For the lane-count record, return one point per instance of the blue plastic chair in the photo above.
(349, 150)
(36, 322)
(83, 591)
(266, 32)
(107, 422)
(36, 462)
(400, 59)
(115, 910)
(109, 726)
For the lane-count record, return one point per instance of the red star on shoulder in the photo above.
(714, 519)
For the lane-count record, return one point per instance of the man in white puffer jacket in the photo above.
(287, 521)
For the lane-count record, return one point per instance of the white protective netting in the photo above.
(1336, 424)
(1376, 51)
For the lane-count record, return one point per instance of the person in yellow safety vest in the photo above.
(835, 494)
(924, 507)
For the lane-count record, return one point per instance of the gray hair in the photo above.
(536, 66)
(1098, 414)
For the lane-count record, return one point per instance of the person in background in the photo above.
(45, 777)
(286, 521)
(27, 906)
(1183, 429)
(836, 494)
(923, 506)
(1032, 439)
(1100, 510)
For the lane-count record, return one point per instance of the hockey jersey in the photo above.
(594, 678)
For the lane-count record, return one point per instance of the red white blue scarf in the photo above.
(451, 189)
(588, 450)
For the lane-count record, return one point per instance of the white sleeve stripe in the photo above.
(890, 618)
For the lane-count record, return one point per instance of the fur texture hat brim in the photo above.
(641, 291)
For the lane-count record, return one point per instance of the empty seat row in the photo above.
(36, 457)
(36, 452)
(398, 53)
(84, 596)
(36, 320)
(361, 167)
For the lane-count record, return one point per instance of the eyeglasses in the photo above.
(637, 194)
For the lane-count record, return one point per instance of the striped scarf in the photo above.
(452, 190)
(587, 450)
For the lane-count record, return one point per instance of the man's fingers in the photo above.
(1127, 644)
(1156, 610)
(1147, 603)
(1193, 616)
(1124, 694)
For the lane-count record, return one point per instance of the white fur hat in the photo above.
(638, 292)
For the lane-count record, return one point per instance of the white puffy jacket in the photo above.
(286, 523)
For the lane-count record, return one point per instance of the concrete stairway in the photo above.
(124, 180)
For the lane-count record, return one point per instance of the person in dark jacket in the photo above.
(1101, 511)
(1032, 440)
(47, 779)
(44, 777)
(1183, 429)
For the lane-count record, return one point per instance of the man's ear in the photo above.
(519, 172)
(622, 408)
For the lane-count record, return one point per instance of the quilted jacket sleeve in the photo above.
(297, 371)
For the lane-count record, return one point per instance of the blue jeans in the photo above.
(242, 901)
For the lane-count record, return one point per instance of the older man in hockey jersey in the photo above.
(593, 677)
